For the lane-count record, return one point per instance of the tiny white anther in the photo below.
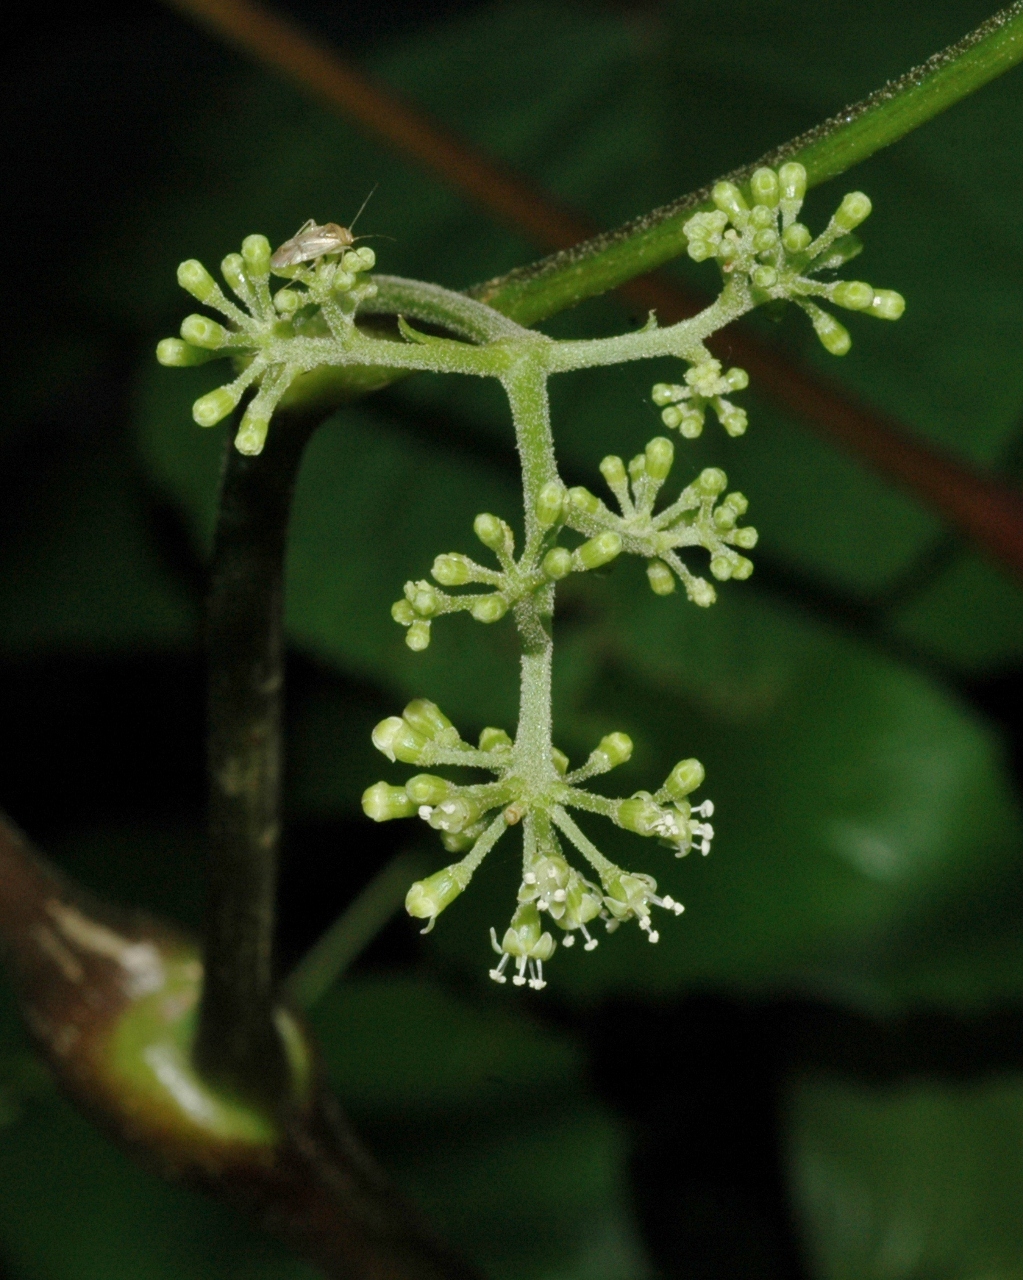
(448, 806)
(644, 923)
(591, 944)
(667, 901)
(519, 980)
(703, 829)
(529, 878)
(497, 975)
(705, 810)
(560, 895)
(653, 936)
(424, 812)
(568, 941)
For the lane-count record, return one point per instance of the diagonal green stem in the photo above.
(542, 289)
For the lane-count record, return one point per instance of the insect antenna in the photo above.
(362, 206)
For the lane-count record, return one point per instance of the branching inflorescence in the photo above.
(285, 344)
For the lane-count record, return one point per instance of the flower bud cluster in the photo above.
(760, 245)
(260, 334)
(540, 565)
(700, 516)
(471, 818)
(684, 407)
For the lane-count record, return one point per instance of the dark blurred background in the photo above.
(816, 1073)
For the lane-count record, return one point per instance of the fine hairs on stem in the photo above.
(764, 253)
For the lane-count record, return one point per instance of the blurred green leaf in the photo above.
(465, 1104)
(917, 1179)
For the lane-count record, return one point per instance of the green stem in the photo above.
(237, 1042)
(542, 289)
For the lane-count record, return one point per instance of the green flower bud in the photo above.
(721, 567)
(660, 577)
(659, 455)
(462, 841)
(764, 241)
(887, 304)
(686, 776)
(172, 353)
(424, 598)
(700, 250)
(637, 467)
(765, 187)
(200, 331)
(342, 281)
(397, 740)
(796, 237)
(742, 569)
(417, 637)
(494, 740)
(598, 551)
(491, 608)
(690, 423)
(550, 504)
(854, 295)
(738, 502)
(427, 719)
(361, 259)
(613, 470)
(288, 301)
(233, 271)
(583, 500)
(402, 611)
(557, 563)
(615, 748)
(745, 538)
(737, 379)
(196, 280)
(724, 518)
(733, 419)
(252, 431)
(665, 392)
(834, 336)
(426, 788)
(382, 802)
(256, 255)
(792, 177)
(672, 416)
(702, 593)
(491, 531)
(427, 898)
(763, 218)
(764, 277)
(711, 481)
(452, 570)
(559, 760)
(728, 198)
(855, 207)
(213, 407)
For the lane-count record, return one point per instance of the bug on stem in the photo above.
(312, 241)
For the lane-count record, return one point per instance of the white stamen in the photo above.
(653, 936)
(424, 812)
(498, 973)
(560, 895)
(568, 940)
(705, 810)
(529, 878)
(590, 942)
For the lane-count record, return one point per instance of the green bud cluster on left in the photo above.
(260, 332)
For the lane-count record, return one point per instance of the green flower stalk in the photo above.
(306, 342)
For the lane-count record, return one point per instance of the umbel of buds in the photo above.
(761, 247)
(554, 899)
